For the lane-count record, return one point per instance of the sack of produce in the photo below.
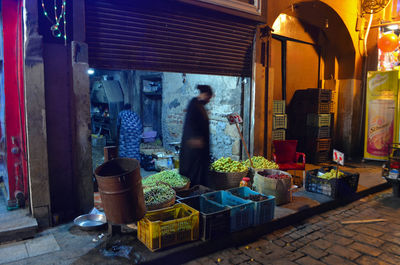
(171, 177)
(158, 195)
(274, 182)
(226, 173)
(259, 163)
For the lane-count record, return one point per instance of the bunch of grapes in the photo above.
(226, 164)
(331, 174)
(171, 177)
(278, 176)
(260, 162)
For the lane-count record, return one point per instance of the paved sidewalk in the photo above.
(320, 239)
(323, 239)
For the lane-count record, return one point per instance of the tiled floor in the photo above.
(29, 248)
(18, 220)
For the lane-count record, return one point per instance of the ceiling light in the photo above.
(90, 71)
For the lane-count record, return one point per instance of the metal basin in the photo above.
(90, 221)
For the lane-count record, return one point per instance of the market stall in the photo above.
(240, 197)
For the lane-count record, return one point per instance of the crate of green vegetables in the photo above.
(226, 173)
(169, 226)
(259, 163)
(171, 177)
(158, 195)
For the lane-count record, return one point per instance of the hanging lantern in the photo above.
(388, 42)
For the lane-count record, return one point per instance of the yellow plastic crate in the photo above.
(278, 107)
(279, 121)
(279, 134)
(169, 226)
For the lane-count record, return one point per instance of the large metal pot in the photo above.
(121, 192)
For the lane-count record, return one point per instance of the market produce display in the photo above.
(331, 174)
(261, 162)
(226, 164)
(273, 176)
(171, 177)
(157, 194)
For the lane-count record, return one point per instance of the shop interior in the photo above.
(160, 100)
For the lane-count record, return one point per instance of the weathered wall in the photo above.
(225, 140)
(178, 91)
(58, 87)
(36, 131)
(59, 131)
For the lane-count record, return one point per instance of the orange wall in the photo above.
(301, 68)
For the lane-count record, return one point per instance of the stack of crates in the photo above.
(310, 122)
(318, 132)
(279, 120)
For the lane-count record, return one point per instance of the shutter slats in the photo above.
(124, 36)
(172, 35)
(208, 25)
(138, 51)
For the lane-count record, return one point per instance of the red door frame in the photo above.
(14, 98)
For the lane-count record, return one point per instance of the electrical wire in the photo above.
(366, 33)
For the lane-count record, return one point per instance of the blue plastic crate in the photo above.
(214, 218)
(242, 211)
(263, 210)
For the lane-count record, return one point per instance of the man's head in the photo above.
(206, 93)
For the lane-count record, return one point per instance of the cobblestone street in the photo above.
(323, 239)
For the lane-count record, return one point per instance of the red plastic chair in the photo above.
(287, 158)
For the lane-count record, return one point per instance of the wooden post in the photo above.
(244, 143)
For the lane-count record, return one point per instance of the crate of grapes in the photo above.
(226, 173)
(241, 211)
(169, 226)
(214, 218)
(264, 205)
(324, 181)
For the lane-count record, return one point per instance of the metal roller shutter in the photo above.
(167, 36)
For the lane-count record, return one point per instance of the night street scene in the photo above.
(200, 132)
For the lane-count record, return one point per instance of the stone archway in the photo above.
(340, 58)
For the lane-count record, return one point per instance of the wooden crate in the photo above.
(310, 101)
(318, 107)
(317, 145)
(318, 120)
(318, 132)
(321, 157)
(317, 94)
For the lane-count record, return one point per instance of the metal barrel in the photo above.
(121, 192)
